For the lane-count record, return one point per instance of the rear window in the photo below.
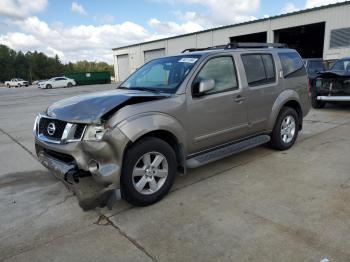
(291, 63)
(259, 68)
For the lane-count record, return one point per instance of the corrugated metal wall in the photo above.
(335, 17)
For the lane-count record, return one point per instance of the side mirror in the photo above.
(205, 86)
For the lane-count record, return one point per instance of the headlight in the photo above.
(95, 133)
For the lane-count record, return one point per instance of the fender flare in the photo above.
(139, 125)
(283, 98)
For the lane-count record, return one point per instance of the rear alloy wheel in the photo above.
(8, 86)
(286, 129)
(149, 171)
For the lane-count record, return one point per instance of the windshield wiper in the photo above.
(152, 90)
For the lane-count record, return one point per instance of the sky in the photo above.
(89, 29)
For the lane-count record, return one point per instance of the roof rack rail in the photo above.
(234, 45)
(204, 48)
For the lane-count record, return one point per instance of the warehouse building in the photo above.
(318, 32)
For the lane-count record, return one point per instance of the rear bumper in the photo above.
(334, 98)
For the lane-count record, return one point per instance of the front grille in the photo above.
(58, 130)
(79, 131)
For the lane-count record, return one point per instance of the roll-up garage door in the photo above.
(153, 54)
(123, 66)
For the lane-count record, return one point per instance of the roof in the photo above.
(347, 2)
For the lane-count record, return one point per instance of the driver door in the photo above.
(219, 115)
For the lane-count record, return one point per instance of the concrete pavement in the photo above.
(260, 205)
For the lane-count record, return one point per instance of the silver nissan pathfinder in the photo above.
(172, 114)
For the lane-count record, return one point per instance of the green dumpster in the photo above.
(90, 78)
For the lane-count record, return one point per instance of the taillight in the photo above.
(309, 87)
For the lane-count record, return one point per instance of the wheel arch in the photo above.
(288, 98)
(161, 126)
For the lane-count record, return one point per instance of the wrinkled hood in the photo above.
(340, 73)
(90, 108)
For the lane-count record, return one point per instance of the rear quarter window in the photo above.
(291, 63)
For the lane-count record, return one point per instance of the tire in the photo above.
(48, 86)
(316, 103)
(284, 141)
(163, 174)
(8, 86)
(69, 84)
(19, 86)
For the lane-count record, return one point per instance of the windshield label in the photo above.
(190, 60)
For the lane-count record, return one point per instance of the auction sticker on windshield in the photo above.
(190, 60)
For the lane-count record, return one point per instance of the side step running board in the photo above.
(228, 150)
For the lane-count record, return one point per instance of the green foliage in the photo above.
(36, 65)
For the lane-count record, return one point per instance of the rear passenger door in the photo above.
(218, 116)
(261, 85)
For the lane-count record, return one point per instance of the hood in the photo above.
(332, 74)
(91, 108)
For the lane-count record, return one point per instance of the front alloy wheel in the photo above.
(148, 172)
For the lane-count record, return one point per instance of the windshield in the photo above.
(161, 75)
(342, 65)
(316, 66)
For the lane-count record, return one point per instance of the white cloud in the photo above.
(289, 8)
(315, 3)
(76, 42)
(20, 41)
(21, 8)
(220, 12)
(172, 28)
(77, 8)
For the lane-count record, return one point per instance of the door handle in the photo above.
(240, 99)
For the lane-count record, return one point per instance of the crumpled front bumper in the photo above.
(91, 169)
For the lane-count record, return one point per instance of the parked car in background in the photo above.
(16, 82)
(314, 66)
(174, 113)
(57, 82)
(332, 86)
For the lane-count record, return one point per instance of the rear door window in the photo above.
(259, 68)
(291, 63)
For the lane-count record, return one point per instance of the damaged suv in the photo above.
(173, 113)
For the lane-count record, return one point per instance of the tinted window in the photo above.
(222, 71)
(291, 63)
(269, 67)
(259, 68)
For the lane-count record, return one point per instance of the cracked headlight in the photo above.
(95, 133)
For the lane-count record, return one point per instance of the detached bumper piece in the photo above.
(334, 98)
(81, 183)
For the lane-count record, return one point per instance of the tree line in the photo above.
(35, 65)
